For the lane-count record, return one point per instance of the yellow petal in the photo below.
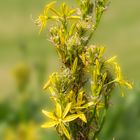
(104, 77)
(52, 91)
(54, 98)
(71, 12)
(64, 8)
(42, 21)
(83, 57)
(73, 17)
(83, 117)
(128, 85)
(67, 109)
(80, 96)
(69, 96)
(97, 67)
(65, 131)
(55, 12)
(47, 85)
(101, 52)
(50, 4)
(49, 114)
(49, 124)
(58, 110)
(70, 118)
(118, 71)
(86, 105)
(112, 59)
(72, 29)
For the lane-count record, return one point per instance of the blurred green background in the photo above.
(24, 54)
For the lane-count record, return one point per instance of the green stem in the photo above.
(92, 117)
(103, 119)
(101, 126)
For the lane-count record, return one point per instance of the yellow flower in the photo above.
(119, 79)
(66, 13)
(60, 119)
(42, 18)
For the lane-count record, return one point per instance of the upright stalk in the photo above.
(82, 88)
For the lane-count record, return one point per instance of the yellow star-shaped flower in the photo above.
(60, 119)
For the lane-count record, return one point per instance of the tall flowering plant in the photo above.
(82, 88)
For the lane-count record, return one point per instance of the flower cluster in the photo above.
(81, 90)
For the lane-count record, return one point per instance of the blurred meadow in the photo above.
(27, 58)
